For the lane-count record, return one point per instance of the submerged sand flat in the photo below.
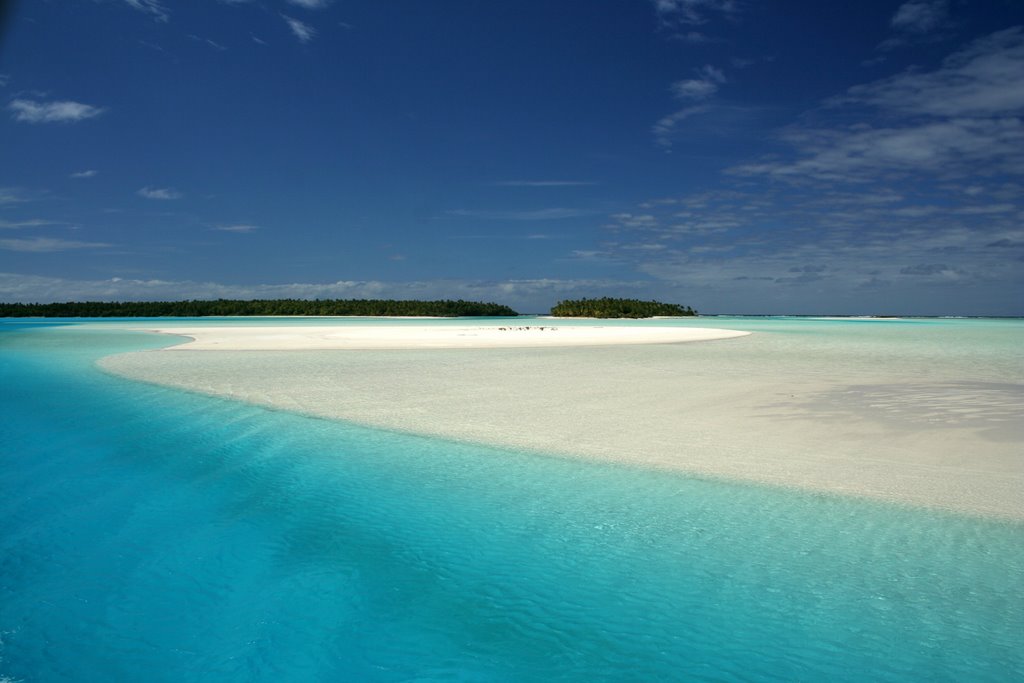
(763, 408)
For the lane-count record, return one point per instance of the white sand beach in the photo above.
(271, 338)
(748, 408)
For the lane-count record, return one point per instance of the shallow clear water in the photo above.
(149, 534)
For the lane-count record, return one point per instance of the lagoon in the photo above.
(152, 533)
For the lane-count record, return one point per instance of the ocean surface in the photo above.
(148, 534)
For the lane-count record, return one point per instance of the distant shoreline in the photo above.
(200, 308)
(543, 316)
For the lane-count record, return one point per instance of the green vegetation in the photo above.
(607, 307)
(260, 307)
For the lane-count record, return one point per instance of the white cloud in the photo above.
(31, 111)
(771, 247)
(303, 31)
(694, 38)
(986, 209)
(12, 195)
(310, 4)
(956, 148)
(692, 11)
(159, 193)
(30, 223)
(915, 21)
(920, 16)
(960, 120)
(207, 41)
(665, 128)
(90, 173)
(700, 88)
(153, 7)
(691, 90)
(551, 214)
(239, 228)
(4, 80)
(631, 220)
(984, 79)
(47, 244)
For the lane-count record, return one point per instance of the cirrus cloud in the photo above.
(310, 4)
(237, 228)
(303, 31)
(151, 7)
(961, 119)
(692, 12)
(920, 16)
(41, 245)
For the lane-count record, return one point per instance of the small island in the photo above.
(257, 307)
(607, 307)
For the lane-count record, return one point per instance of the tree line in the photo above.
(607, 307)
(257, 307)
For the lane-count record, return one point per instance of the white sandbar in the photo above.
(795, 411)
(282, 338)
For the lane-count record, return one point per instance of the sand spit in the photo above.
(753, 409)
(282, 338)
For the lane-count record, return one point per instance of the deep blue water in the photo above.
(151, 535)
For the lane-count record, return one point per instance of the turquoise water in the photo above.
(148, 534)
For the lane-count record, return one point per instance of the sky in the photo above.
(737, 156)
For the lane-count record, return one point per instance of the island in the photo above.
(607, 307)
(256, 307)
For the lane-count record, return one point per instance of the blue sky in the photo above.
(733, 155)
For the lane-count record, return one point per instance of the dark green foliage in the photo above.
(607, 307)
(260, 307)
